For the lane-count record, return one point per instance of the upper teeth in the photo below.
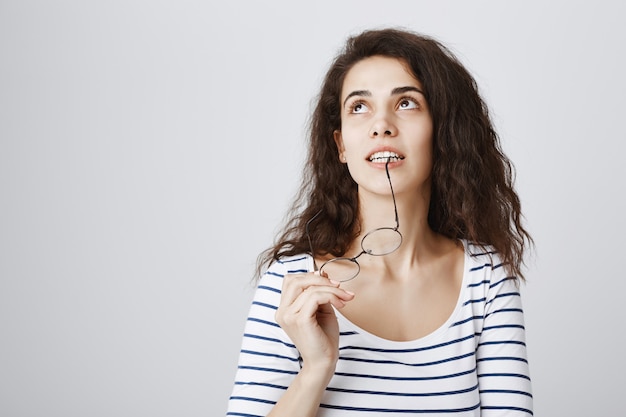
(384, 156)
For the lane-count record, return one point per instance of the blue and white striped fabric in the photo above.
(473, 365)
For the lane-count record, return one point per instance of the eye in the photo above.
(358, 107)
(408, 103)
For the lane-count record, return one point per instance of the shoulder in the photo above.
(277, 269)
(489, 286)
(291, 265)
(485, 266)
(481, 256)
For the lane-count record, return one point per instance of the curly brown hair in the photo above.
(472, 194)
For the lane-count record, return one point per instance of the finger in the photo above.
(310, 278)
(302, 314)
(294, 285)
(311, 299)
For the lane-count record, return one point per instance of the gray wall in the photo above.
(149, 149)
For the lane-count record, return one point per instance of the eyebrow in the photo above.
(395, 91)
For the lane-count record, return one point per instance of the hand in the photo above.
(305, 313)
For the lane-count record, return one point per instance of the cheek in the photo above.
(424, 149)
(351, 142)
(423, 143)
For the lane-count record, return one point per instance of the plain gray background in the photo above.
(149, 149)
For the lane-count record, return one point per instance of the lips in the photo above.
(385, 156)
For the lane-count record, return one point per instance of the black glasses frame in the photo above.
(363, 250)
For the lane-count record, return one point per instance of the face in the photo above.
(385, 115)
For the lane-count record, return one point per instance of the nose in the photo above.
(386, 132)
(382, 126)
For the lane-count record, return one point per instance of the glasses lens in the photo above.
(381, 241)
(340, 269)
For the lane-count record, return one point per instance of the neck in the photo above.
(419, 241)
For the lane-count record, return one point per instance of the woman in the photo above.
(408, 195)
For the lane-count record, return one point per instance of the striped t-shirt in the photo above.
(474, 365)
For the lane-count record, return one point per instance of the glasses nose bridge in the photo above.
(363, 252)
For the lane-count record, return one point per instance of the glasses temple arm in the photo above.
(308, 236)
(393, 196)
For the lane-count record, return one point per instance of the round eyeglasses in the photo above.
(377, 242)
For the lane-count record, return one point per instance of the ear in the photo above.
(340, 148)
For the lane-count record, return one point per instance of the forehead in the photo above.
(378, 74)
